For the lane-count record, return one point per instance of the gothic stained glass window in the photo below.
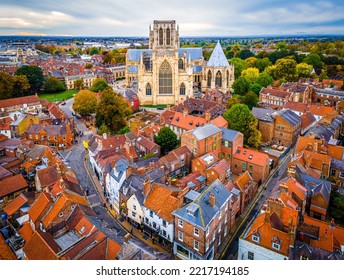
(165, 78)
(209, 79)
(218, 80)
(168, 37)
(180, 64)
(182, 89)
(161, 37)
(148, 89)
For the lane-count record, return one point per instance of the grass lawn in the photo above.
(156, 106)
(59, 96)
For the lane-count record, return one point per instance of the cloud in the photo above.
(196, 18)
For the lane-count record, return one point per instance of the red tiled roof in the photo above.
(41, 246)
(296, 106)
(320, 110)
(221, 167)
(188, 122)
(48, 176)
(220, 122)
(242, 180)
(15, 204)
(335, 82)
(252, 156)
(18, 101)
(307, 119)
(26, 231)
(275, 92)
(5, 251)
(162, 201)
(12, 184)
(38, 207)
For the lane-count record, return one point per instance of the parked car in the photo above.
(63, 103)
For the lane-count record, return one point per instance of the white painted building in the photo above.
(251, 251)
(114, 181)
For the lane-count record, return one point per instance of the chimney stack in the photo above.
(185, 112)
(212, 199)
(146, 186)
(207, 117)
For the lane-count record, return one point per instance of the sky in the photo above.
(195, 18)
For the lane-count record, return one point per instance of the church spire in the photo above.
(218, 58)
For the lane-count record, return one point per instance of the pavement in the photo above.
(230, 247)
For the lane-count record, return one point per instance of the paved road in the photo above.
(75, 157)
(280, 172)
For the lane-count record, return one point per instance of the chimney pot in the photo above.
(212, 199)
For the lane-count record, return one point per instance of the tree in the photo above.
(271, 71)
(286, 69)
(239, 65)
(264, 79)
(34, 74)
(113, 110)
(323, 75)
(240, 118)
(99, 85)
(314, 60)
(255, 139)
(303, 70)
(235, 99)
(79, 84)
(251, 74)
(85, 102)
(256, 88)
(124, 130)
(336, 208)
(53, 84)
(243, 54)
(6, 86)
(250, 61)
(274, 56)
(94, 50)
(241, 85)
(166, 139)
(89, 65)
(250, 99)
(21, 86)
(103, 129)
(262, 63)
(281, 46)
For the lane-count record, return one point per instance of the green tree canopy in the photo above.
(21, 86)
(303, 70)
(103, 129)
(239, 65)
(235, 99)
(53, 84)
(6, 86)
(264, 79)
(85, 102)
(256, 88)
(286, 69)
(113, 110)
(243, 54)
(166, 139)
(240, 118)
(99, 85)
(314, 60)
(250, 99)
(34, 74)
(79, 84)
(251, 74)
(241, 85)
(262, 63)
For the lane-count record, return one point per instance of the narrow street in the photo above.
(279, 172)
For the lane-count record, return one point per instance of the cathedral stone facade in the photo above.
(167, 74)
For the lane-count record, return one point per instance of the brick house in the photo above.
(248, 189)
(26, 104)
(21, 124)
(177, 162)
(256, 163)
(231, 140)
(11, 187)
(211, 168)
(202, 224)
(287, 128)
(266, 123)
(203, 140)
(274, 98)
(59, 136)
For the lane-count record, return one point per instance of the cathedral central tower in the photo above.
(164, 35)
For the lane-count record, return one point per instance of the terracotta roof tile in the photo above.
(320, 110)
(18, 101)
(252, 156)
(275, 92)
(26, 231)
(112, 249)
(220, 122)
(5, 251)
(162, 201)
(307, 119)
(48, 176)
(15, 204)
(221, 167)
(39, 206)
(62, 205)
(242, 181)
(12, 184)
(336, 152)
(296, 106)
(41, 246)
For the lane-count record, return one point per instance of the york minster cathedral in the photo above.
(168, 74)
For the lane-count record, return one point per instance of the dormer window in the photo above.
(276, 243)
(256, 237)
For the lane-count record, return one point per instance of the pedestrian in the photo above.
(131, 230)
